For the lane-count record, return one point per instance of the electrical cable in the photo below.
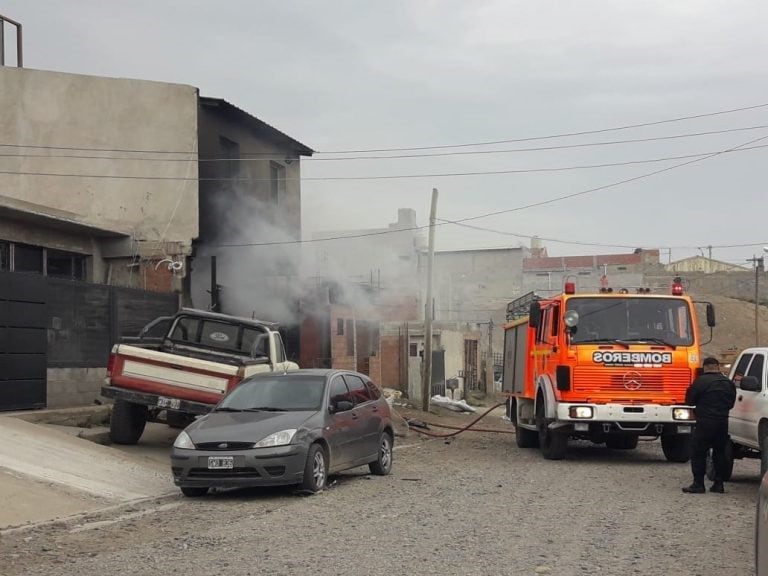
(269, 157)
(696, 157)
(462, 429)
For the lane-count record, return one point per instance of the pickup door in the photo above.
(745, 415)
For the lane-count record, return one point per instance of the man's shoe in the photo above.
(695, 489)
(717, 487)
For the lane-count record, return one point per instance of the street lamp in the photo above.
(759, 265)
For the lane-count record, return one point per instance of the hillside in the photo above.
(735, 328)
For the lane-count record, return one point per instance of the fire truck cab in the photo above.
(608, 367)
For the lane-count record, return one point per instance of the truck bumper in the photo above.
(155, 400)
(650, 419)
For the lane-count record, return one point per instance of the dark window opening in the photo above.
(230, 153)
(65, 265)
(5, 256)
(350, 337)
(340, 327)
(28, 258)
(413, 350)
(276, 181)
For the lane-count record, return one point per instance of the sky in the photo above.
(439, 75)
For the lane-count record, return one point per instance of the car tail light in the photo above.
(110, 364)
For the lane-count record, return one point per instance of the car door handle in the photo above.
(375, 408)
(741, 398)
(354, 415)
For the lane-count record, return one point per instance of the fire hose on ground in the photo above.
(418, 426)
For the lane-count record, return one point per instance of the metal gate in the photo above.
(23, 343)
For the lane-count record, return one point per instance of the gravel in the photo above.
(476, 505)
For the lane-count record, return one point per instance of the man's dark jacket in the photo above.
(713, 395)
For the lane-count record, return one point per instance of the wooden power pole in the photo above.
(426, 380)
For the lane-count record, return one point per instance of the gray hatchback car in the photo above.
(288, 428)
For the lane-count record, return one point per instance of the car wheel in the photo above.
(383, 463)
(728, 463)
(315, 470)
(194, 491)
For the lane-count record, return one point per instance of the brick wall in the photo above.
(392, 362)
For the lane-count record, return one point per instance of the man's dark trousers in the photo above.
(709, 434)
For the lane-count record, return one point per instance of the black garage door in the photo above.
(23, 341)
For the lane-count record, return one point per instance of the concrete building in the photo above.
(76, 199)
(108, 189)
(702, 264)
(547, 275)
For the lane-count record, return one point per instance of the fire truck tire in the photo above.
(526, 438)
(126, 425)
(676, 447)
(624, 442)
(553, 444)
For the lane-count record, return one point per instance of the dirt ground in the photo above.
(473, 504)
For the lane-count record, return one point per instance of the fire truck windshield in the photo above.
(665, 321)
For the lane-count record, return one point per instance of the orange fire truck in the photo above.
(608, 367)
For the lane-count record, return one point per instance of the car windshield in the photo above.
(665, 321)
(279, 393)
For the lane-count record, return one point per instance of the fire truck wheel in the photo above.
(676, 447)
(553, 444)
(526, 438)
(126, 425)
(625, 442)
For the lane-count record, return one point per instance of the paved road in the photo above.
(476, 506)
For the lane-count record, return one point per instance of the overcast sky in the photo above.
(353, 75)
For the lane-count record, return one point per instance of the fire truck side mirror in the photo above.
(710, 315)
(534, 315)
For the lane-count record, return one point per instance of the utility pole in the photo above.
(214, 291)
(759, 265)
(426, 380)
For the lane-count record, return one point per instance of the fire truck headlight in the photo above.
(682, 414)
(581, 412)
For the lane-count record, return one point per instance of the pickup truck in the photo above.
(181, 366)
(748, 419)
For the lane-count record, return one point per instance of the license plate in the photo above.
(221, 462)
(173, 403)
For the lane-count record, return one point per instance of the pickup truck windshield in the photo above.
(665, 321)
(216, 335)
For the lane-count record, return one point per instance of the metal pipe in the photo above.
(19, 43)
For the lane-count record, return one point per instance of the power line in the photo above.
(496, 213)
(562, 135)
(269, 157)
(407, 149)
(697, 157)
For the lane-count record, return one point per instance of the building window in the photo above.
(230, 154)
(621, 268)
(28, 258)
(413, 350)
(276, 182)
(340, 327)
(65, 265)
(5, 256)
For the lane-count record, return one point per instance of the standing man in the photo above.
(713, 395)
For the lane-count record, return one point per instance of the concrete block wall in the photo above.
(74, 386)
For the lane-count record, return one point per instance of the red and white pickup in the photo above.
(181, 366)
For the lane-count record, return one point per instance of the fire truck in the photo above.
(608, 367)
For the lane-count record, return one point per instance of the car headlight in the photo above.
(580, 412)
(277, 439)
(682, 414)
(183, 441)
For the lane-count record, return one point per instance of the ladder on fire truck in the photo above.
(521, 306)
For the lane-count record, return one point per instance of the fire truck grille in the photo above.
(634, 384)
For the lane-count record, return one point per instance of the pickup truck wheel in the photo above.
(315, 470)
(728, 463)
(126, 425)
(194, 491)
(383, 463)
(552, 443)
(676, 447)
(622, 442)
(763, 443)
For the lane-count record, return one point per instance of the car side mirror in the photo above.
(750, 384)
(341, 406)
